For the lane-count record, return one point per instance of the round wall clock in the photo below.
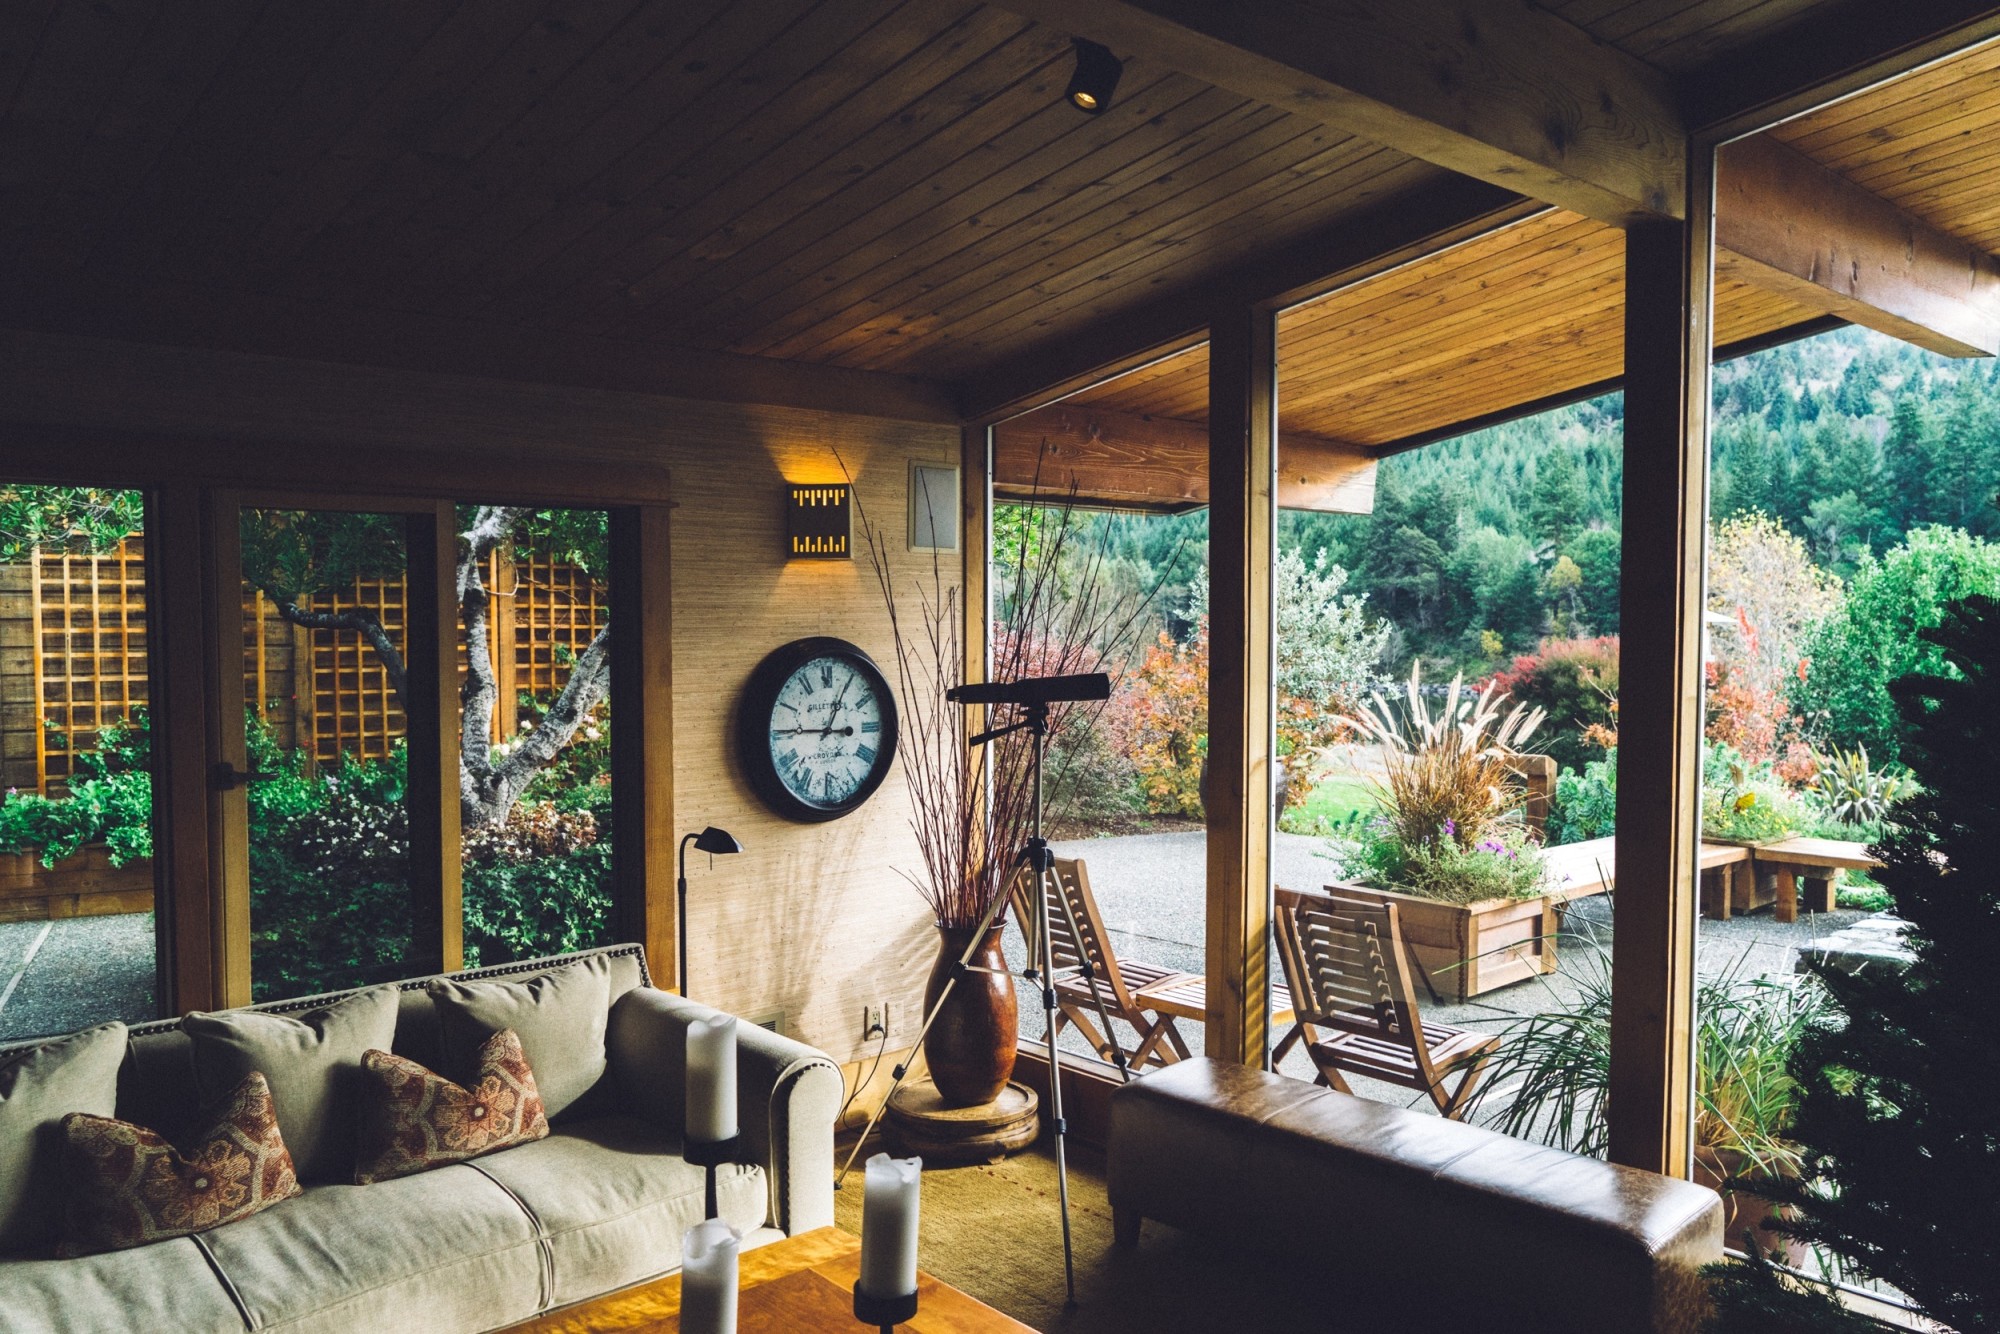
(816, 730)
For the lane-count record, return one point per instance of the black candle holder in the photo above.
(711, 1154)
(885, 1313)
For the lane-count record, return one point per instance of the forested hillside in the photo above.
(1480, 547)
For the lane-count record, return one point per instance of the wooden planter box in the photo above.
(1470, 948)
(84, 884)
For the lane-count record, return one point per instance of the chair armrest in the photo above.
(788, 1097)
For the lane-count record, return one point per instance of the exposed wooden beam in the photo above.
(1504, 93)
(1418, 223)
(1786, 223)
(183, 315)
(1242, 550)
(1669, 291)
(1836, 49)
(1124, 460)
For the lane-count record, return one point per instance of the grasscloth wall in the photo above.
(814, 921)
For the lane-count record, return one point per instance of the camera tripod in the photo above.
(1040, 971)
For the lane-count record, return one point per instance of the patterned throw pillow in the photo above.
(129, 1186)
(413, 1120)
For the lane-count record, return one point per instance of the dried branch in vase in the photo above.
(973, 811)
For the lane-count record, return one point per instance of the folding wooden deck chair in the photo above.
(1345, 963)
(1145, 995)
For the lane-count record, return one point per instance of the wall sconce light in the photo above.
(1096, 77)
(818, 522)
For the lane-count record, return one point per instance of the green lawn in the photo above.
(1333, 801)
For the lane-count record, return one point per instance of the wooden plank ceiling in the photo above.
(1679, 35)
(1535, 310)
(1524, 313)
(889, 186)
(892, 185)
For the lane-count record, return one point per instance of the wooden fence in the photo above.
(73, 657)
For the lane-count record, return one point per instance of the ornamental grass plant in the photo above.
(1450, 795)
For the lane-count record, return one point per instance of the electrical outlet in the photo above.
(875, 1021)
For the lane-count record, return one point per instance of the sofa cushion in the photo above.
(414, 1120)
(614, 1199)
(448, 1250)
(127, 1186)
(313, 1064)
(166, 1286)
(560, 1016)
(78, 1073)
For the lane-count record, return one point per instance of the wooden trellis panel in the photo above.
(73, 657)
(558, 609)
(88, 657)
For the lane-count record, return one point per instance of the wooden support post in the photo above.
(221, 629)
(642, 736)
(1669, 282)
(183, 888)
(1822, 893)
(975, 485)
(430, 619)
(1242, 523)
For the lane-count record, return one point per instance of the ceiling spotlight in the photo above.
(1096, 77)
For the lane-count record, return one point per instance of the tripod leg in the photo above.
(964, 961)
(1055, 1082)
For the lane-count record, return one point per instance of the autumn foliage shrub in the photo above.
(1158, 719)
(1575, 682)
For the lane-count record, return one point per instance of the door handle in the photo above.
(226, 777)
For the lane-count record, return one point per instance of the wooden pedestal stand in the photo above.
(961, 1136)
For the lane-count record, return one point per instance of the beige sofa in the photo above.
(601, 1203)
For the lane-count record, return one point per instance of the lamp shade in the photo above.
(715, 840)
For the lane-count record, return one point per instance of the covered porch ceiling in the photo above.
(886, 206)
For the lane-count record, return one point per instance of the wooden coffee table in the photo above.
(800, 1285)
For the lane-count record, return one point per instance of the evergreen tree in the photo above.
(1912, 456)
(1556, 511)
(1896, 1115)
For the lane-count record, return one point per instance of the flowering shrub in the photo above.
(530, 832)
(1506, 863)
(1742, 801)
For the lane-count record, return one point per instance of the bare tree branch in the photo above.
(361, 622)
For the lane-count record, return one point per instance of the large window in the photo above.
(76, 873)
(535, 738)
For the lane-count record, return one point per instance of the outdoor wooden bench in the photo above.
(1371, 1195)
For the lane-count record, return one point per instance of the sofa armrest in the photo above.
(788, 1097)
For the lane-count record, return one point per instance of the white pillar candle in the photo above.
(708, 1279)
(711, 1079)
(889, 1226)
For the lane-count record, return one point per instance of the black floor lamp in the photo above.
(710, 840)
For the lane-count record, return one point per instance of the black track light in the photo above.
(1096, 77)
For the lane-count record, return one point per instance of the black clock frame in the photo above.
(753, 727)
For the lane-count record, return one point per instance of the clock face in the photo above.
(816, 731)
(826, 731)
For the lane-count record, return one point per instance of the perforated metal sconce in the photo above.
(819, 522)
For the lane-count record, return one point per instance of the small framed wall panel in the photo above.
(934, 506)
